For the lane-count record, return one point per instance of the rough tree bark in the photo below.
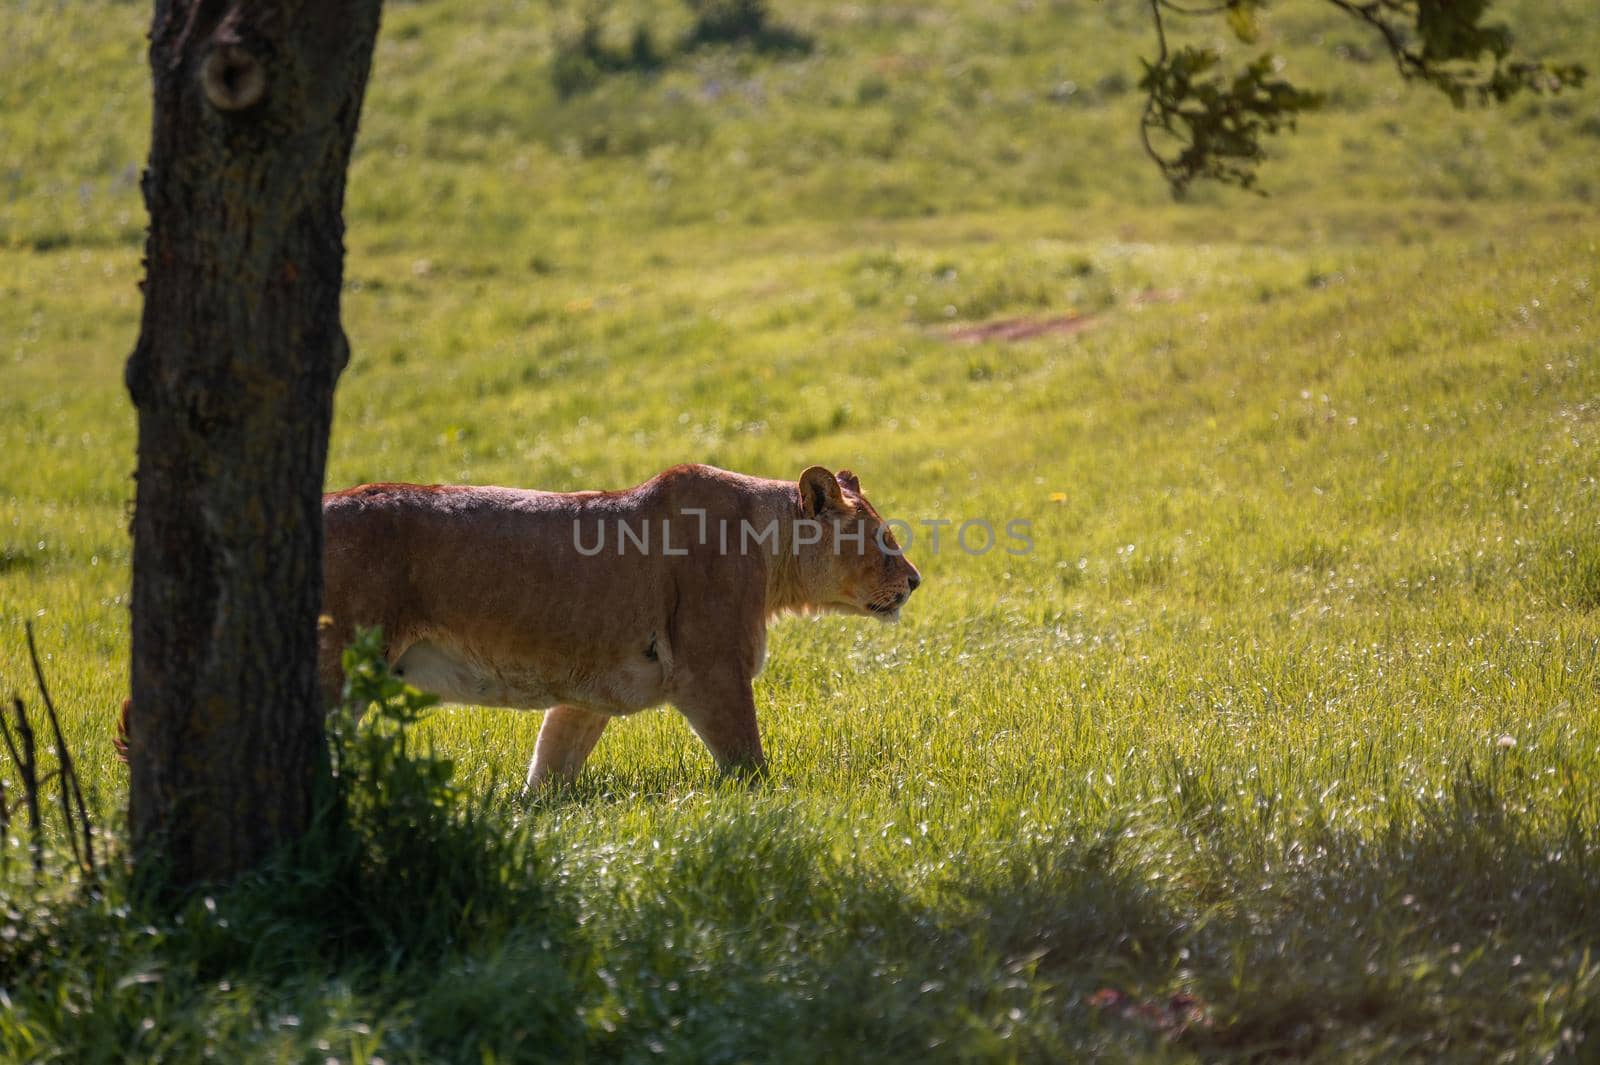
(239, 349)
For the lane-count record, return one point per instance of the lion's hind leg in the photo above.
(566, 737)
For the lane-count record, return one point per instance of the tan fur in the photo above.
(485, 597)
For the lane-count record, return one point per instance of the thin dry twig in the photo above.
(68, 771)
(22, 754)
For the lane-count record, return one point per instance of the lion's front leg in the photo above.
(566, 737)
(724, 717)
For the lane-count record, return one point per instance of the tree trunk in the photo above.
(239, 348)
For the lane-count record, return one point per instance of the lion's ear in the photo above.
(850, 481)
(819, 491)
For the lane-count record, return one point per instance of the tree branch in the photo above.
(1219, 124)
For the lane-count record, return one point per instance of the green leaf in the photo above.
(1242, 21)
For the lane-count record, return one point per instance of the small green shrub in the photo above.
(572, 71)
(410, 864)
(721, 21)
(412, 923)
(582, 59)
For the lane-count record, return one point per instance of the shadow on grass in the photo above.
(1467, 926)
(743, 928)
(769, 39)
(584, 59)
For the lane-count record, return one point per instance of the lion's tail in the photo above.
(121, 740)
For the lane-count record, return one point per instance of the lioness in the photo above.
(598, 604)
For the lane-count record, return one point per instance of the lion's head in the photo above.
(849, 560)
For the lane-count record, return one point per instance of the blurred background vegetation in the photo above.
(544, 125)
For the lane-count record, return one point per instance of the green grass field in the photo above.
(1282, 742)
